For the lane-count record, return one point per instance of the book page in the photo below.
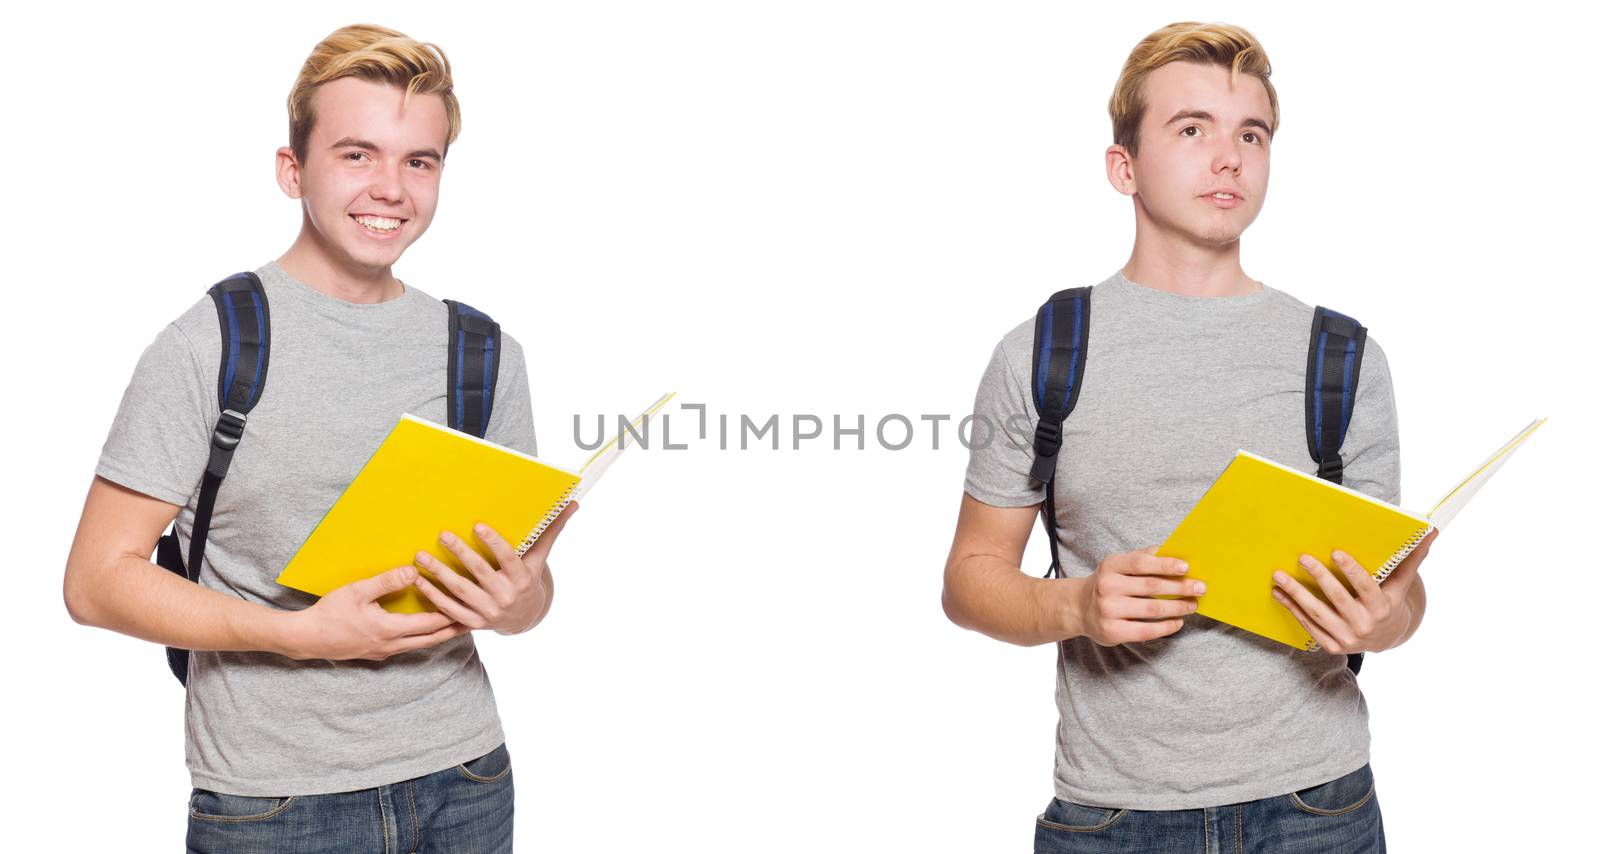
(1457, 498)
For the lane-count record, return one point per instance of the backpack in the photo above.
(245, 321)
(1060, 347)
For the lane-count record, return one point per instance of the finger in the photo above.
(380, 585)
(1137, 630)
(1365, 585)
(456, 585)
(1405, 574)
(487, 576)
(1337, 595)
(547, 540)
(1322, 638)
(399, 625)
(504, 555)
(450, 608)
(1396, 587)
(1317, 610)
(1138, 608)
(1153, 586)
(1145, 562)
(417, 642)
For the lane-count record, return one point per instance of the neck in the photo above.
(311, 262)
(1186, 268)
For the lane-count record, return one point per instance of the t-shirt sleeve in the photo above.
(1372, 443)
(159, 441)
(511, 420)
(1001, 437)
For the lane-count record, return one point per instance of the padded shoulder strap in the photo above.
(1060, 345)
(246, 326)
(245, 323)
(1060, 349)
(1333, 369)
(474, 368)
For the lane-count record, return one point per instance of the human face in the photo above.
(370, 181)
(1200, 135)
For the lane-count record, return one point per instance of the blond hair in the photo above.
(1231, 47)
(380, 55)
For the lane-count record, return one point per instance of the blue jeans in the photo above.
(465, 808)
(1337, 817)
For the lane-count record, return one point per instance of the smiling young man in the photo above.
(1179, 733)
(320, 724)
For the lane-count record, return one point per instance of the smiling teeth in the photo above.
(379, 223)
(1222, 195)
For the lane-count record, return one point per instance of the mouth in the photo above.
(1223, 199)
(379, 227)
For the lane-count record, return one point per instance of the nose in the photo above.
(1228, 156)
(386, 185)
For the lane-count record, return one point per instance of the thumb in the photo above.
(377, 586)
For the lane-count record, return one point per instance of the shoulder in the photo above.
(1015, 348)
(196, 332)
(510, 348)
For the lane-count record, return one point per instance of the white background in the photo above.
(823, 207)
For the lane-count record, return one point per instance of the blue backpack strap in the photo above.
(1060, 350)
(1333, 370)
(246, 326)
(473, 370)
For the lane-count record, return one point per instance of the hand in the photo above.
(1117, 603)
(509, 596)
(349, 623)
(1373, 620)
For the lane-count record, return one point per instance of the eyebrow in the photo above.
(365, 145)
(1205, 116)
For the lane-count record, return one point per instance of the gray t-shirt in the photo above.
(340, 376)
(1174, 385)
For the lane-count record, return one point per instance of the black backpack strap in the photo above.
(474, 368)
(1060, 350)
(1333, 370)
(246, 327)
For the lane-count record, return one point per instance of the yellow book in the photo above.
(425, 479)
(1260, 516)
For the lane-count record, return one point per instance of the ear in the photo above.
(288, 172)
(1119, 170)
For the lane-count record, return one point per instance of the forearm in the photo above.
(986, 594)
(135, 597)
(1416, 603)
(549, 585)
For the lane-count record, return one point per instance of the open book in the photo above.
(425, 479)
(1260, 516)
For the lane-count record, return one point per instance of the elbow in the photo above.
(79, 605)
(954, 609)
(78, 593)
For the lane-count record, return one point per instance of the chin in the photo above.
(368, 255)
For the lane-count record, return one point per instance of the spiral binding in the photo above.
(550, 517)
(1389, 566)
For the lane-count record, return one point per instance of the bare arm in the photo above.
(986, 590)
(1417, 600)
(111, 583)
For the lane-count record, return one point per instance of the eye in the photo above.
(1257, 136)
(419, 161)
(352, 154)
(1186, 130)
